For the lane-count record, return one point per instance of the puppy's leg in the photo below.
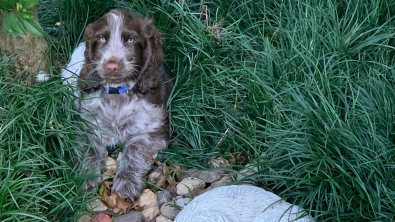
(133, 167)
(94, 162)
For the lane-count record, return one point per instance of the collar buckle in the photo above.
(116, 90)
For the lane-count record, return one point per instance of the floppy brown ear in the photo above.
(153, 58)
(88, 34)
(88, 79)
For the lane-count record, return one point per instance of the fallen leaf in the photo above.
(122, 204)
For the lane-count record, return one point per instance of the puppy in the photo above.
(125, 87)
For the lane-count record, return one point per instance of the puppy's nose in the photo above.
(112, 67)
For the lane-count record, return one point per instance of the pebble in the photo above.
(206, 176)
(247, 171)
(218, 162)
(168, 210)
(182, 202)
(96, 205)
(149, 204)
(164, 196)
(222, 182)
(85, 218)
(111, 164)
(111, 168)
(101, 217)
(161, 218)
(132, 216)
(193, 183)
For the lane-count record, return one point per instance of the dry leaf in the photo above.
(122, 204)
(160, 175)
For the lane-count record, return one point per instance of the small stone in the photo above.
(101, 217)
(222, 182)
(154, 176)
(111, 164)
(182, 202)
(168, 210)
(207, 176)
(111, 168)
(132, 216)
(151, 213)
(191, 171)
(148, 205)
(247, 171)
(85, 218)
(189, 184)
(164, 196)
(219, 162)
(161, 218)
(179, 171)
(96, 205)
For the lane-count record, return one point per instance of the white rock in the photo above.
(226, 180)
(85, 218)
(164, 196)
(96, 205)
(182, 202)
(222, 182)
(191, 171)
(240, 203)
(218, 162)
(42, 76)
(153, 176)
(111, 168)
(205, 175)
(161, 218)
(111, 164)
(169, 210)
(190, 182)
(150, 213)
(247, 171)
(148, 201)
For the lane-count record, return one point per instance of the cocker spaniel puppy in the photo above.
(120, 70)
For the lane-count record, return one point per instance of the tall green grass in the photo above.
(38, 175)
(303, 90)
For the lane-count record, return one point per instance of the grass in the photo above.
(303, 90)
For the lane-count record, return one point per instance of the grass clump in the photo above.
(38, 177)
(303, 90)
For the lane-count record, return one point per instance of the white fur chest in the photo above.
(122, 117)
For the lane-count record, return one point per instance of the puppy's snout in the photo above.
(112, 67)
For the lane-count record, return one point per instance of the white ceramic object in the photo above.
(240, 203)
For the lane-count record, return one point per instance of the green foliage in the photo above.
(15, 22)
(39, 179)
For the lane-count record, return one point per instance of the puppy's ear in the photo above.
(153, 58)
(88, 34)
(87, 78)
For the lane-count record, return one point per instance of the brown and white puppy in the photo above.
(126, 87)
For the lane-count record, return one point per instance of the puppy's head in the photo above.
(122, 47)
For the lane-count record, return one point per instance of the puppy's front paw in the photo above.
(128, 185)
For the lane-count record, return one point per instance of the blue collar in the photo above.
(117, 90)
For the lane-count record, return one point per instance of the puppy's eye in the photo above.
(130, 40)
(102, 39)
